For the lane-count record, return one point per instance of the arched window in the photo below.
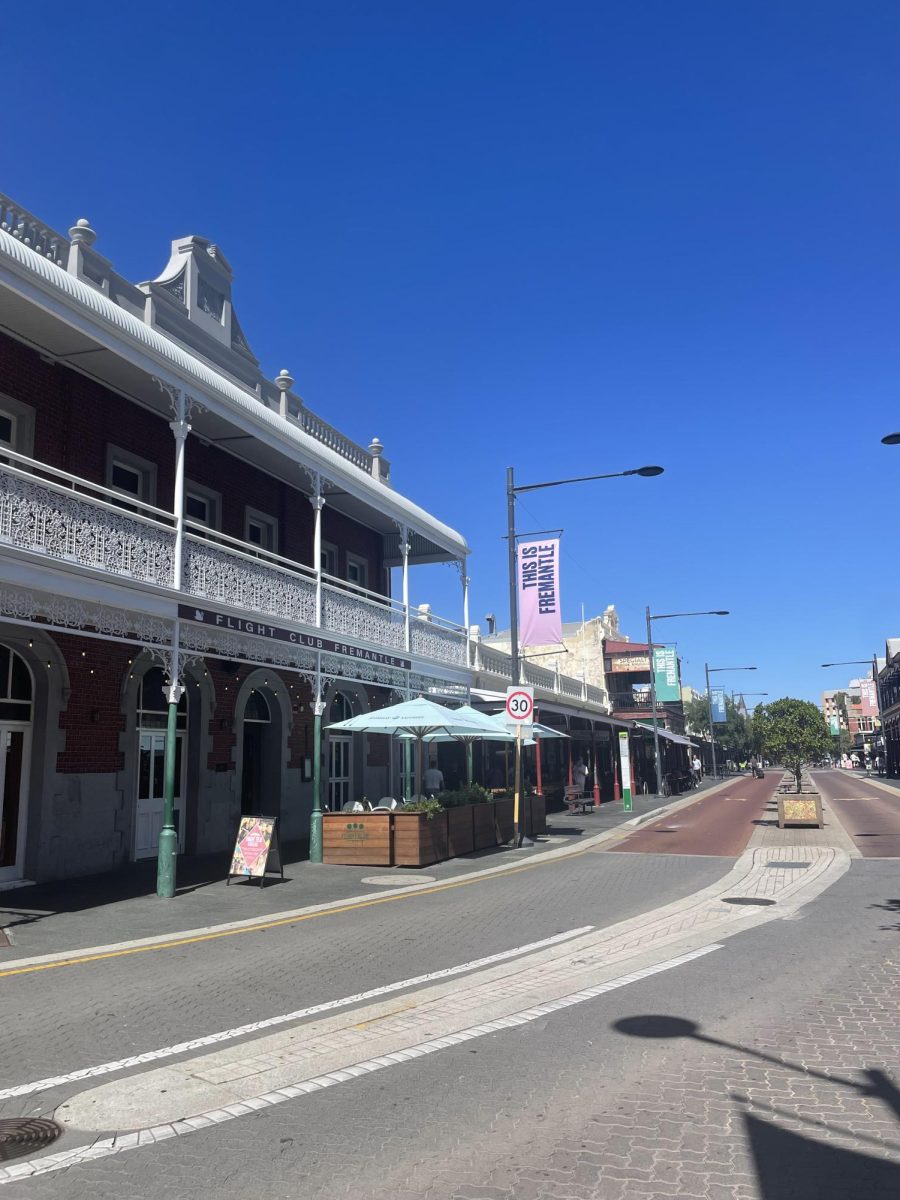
(152, 706)
(257, 709)
(15, 687)
(341, 709)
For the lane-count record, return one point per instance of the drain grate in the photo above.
(746, 900)
(24, 1135)
(794, 866)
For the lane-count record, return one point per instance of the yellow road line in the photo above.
(329, 912)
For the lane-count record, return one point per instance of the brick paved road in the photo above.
(73, 1017)
(570, 1107)
(719, 824)
(870, 815)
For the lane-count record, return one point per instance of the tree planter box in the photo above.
(535, 816)
(484, 826)
(418, 841)
(461, 830)
(357, 839)
(505, 820)
(800, 809)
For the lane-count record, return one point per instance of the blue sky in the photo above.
(568, 237)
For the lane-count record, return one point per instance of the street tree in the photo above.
(792, 732)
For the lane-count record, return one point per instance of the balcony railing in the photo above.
(488, 660)
(46, 511)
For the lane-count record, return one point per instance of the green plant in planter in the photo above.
(471, 794)
(430, 807)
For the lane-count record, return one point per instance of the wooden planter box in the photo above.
(357, 839)
(461, 830)
(504, 820)
(535, 816)
(484, 826)
(418, 841)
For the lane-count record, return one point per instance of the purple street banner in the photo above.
(540, 613)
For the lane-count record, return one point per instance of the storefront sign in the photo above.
(717, 703)
(540, 613)
(625, 761)
(207, 616)
(629, 662)
(665, 674)
(256, 849)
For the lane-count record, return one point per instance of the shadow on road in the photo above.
(790, 1166)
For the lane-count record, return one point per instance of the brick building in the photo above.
(182, 538)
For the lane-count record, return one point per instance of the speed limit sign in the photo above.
(520, 706)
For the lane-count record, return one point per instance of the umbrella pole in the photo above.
(418, 791)
(407, 771)
(469, 751)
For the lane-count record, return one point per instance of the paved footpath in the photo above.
(84, 913)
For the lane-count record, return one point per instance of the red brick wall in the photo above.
(76, 418)
(96, 674)
(227, 684)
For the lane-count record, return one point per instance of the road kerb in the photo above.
(287, 916)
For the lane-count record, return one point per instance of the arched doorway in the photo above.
(257, 723)
(340, 755)
(16, 694)
(152, 716)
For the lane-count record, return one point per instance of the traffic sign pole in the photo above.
(519, 712)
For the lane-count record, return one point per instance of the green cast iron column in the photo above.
(168, 838)
(315, 820)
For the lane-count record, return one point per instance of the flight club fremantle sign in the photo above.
(207, 616)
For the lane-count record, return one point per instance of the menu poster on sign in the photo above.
(256, 849)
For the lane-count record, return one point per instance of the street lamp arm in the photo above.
(533, 487)
(711, 669)
(715, 612)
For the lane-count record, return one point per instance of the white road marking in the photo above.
(105, 1147)
(226, 1035)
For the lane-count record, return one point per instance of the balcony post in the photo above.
(317, 500)
(465, 590)
(404, 551)
(168, 838)
(180, 429)
(315, 819)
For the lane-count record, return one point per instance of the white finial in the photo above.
(375, 447)
(284, 381)
(82, 233)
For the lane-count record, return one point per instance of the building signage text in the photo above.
(206, 616)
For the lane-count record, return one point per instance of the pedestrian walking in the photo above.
(697, 768)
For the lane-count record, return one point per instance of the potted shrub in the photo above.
(460, 806)
(420, 834)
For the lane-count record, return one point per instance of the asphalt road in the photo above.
(869, 814)
(720, 824)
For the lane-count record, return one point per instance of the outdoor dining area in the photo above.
(425, 826)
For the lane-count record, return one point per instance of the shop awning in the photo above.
(665, 733)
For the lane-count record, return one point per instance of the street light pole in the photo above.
(512, 490)
(720, 612)
(865, 662)
(712, 728)
(656, 758)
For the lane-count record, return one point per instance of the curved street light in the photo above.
(512, 490)
(651, 617)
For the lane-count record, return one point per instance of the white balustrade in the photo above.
(439, 642)
(48, 518)
(32, 232)
(357, 616)
(254, 584)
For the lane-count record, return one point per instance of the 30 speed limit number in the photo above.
(520, 705)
